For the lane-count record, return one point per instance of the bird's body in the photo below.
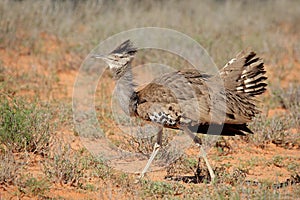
(190, 100)
(159, 101)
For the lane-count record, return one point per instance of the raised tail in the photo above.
(245, 74)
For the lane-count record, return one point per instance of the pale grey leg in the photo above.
(156, 148)
(203, 155)
(202, 151)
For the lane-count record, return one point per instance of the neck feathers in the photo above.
(125, 92)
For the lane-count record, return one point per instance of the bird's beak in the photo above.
(98, 56)
(102, 57)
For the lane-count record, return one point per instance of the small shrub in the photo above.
(24, 126)
(65, 167)
(293, 167)
(159, 189)
(291, 99)
(8, 168)
(269, 129)
(100, 169)
(277, 128)
(182, 165)
(89, 187)
(32, 186)
(278, 161)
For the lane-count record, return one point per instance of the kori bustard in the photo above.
(243, 78)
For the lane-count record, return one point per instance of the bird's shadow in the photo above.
(198, 177)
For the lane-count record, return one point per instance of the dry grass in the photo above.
(42, 44)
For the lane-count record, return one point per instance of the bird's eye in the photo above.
(114, 57)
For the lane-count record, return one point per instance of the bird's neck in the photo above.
(125, 91)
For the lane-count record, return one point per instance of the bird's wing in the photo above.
(176, 98)
(159, 104)
(184, 97)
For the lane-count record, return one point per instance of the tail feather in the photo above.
(245, 74)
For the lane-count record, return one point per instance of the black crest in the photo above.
(126, 47)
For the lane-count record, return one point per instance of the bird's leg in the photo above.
(202, 151)
(203, 155)
(156, 148)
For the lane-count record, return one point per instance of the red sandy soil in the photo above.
(241, 151)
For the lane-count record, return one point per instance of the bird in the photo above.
(190, 100)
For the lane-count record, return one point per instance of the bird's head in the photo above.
(119, 59)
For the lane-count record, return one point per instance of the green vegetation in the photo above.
(157, 189)
(64, 167)
(24, 126)
(42, 45)
(32, 186)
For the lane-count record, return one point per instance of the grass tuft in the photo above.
(65, 167)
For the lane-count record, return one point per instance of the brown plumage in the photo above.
(243, 79)
(190, 100)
